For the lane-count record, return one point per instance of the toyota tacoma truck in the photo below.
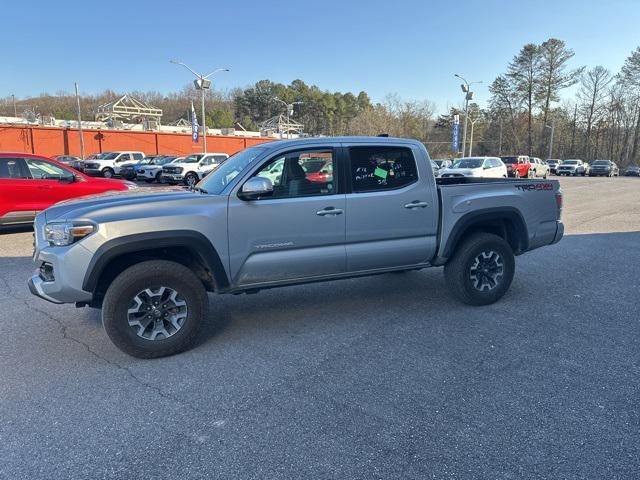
(149, 258)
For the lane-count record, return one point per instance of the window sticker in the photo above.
(380, 172)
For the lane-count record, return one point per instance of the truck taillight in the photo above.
(559, 202)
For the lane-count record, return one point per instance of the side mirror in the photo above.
(256, 187)
(67, 179)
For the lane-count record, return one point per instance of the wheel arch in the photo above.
(506, 222)
(189, 248)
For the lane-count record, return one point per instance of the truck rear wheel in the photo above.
(154, 309)
(481, 270)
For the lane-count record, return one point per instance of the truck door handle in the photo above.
(331, 211)
(416, 204)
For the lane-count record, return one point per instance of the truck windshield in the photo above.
(195, 158)
(108, 156)
(601, 162)
(570, 162)
(217, 180)
(468, 163)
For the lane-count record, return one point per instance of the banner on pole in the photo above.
(194, 125)
(456, 133)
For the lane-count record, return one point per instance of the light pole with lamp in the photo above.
(466, 88)
(202, 83)
(289, 107)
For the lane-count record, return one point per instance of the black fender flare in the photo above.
(196, 242)
(486, 215)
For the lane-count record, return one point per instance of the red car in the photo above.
(518, 166)
(31, 183)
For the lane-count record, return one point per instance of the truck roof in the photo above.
(332, 140)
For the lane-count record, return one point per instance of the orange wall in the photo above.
(50, 141)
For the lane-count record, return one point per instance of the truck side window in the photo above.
(381, 168)
(301, 173)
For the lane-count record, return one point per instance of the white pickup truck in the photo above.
(108, 164)
(192, 169)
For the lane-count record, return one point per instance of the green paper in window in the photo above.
(380, 172)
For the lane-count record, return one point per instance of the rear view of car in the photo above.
(480, 167)
(518, 166)
(632, 171)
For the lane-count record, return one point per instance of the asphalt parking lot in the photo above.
(381, 377)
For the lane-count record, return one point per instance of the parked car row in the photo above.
(132, 165)
(524, 166)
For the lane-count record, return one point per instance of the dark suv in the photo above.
(605, 168)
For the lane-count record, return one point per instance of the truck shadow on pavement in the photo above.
(580, 266)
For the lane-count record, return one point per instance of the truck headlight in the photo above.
(66, 233)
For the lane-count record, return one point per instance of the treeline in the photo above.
(321, 112)
(600, 119)
(593, 112)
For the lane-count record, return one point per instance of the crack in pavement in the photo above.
(66, 336)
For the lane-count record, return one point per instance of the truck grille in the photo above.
(172, 170)
(93, 166)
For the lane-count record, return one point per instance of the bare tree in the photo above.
(593, 90)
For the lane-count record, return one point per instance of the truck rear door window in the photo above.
(381, 168)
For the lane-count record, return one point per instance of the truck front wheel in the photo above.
(481, 270)
(154, 309)
(191, 179)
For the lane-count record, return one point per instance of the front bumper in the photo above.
(61, 281)
(173, 177)
(35, 287)
(92, 172)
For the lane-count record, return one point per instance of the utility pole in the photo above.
(201, 83)
(500, 144)
(80, 124)
(553, 128)
(15, 110)
(466, 88)
(473, 122)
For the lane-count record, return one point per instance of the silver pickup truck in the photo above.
(283, 213)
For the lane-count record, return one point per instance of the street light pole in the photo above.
(204, 122)
(15, 110)
(473, 122)
(202, 83)
(466, 88)
(80, 124)
(553, 128)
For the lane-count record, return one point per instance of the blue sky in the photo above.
(411, 48)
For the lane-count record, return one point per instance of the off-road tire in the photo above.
(153, 273)
(457, 271)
